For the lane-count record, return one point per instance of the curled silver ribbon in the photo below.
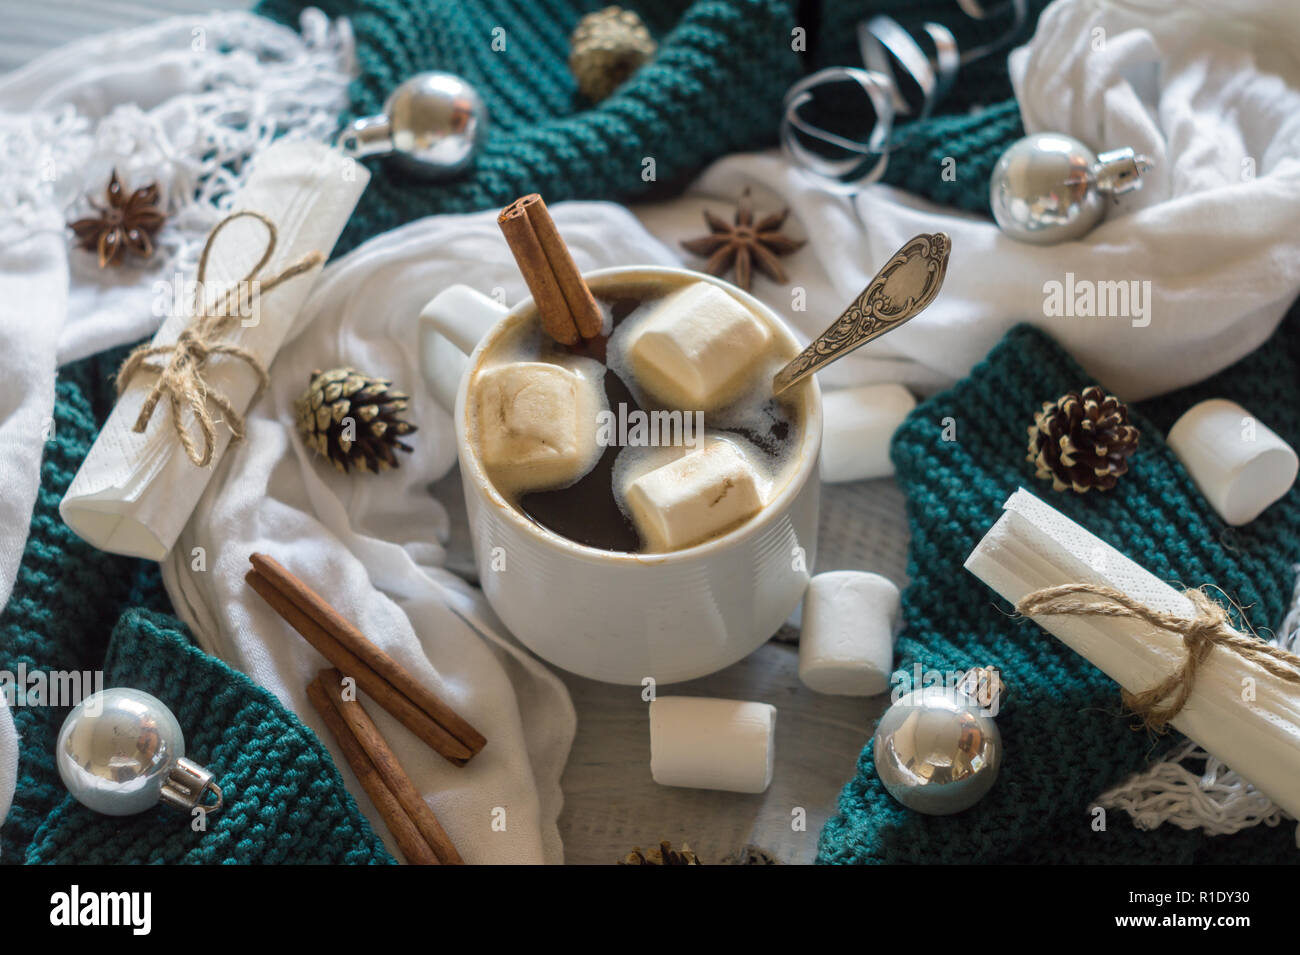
(888, 52)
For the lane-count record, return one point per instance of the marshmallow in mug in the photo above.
(846, 647)
(695, 497)
(706, 743)
(535, 421)
(1239, 464)
(860, 422)
(695, 348)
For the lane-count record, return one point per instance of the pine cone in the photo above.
(1082, 441)
(751, 855)
(664, 855)
(606, 48)
(352, 419)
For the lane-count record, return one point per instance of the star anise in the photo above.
(744, 244)
(127, 222)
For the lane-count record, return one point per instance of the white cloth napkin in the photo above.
(183, 103)
(1034, 546)
(33, 295)
(33, 300)
(371, 544)
(1216, 105)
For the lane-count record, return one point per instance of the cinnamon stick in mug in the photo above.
(565, 305)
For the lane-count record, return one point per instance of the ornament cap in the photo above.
(1120, 170)
(188, 785)
(985, 686)
(368, 136)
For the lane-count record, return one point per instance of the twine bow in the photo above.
(1201, 634)
(181, 379)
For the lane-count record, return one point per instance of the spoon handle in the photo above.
(901, 290)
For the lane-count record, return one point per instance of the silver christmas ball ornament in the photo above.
(1048, 187)
(121, 751)
(937, 749)
(434, 124)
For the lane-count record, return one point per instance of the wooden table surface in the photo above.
(611, 803)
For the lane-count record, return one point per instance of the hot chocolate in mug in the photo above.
(616, 616)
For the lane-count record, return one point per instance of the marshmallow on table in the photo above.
(1240, 465)
(704, 743)
(693, 349)
(858, 424)
(536, 423)
(846, 647)
(694, 497)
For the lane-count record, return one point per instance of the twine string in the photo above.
(181, 379)
(1209, 628)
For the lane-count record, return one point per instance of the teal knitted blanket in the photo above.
(1066, 739)
(714, 87)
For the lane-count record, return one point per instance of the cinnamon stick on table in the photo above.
(366, 733)
(412, 844)
(565, 305)
(382, 677)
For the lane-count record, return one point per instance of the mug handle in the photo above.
(451, 325)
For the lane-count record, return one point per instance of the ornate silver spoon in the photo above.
(901, 290)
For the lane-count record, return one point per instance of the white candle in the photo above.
(1033, 546)
(135, 492)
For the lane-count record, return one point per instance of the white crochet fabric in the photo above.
(183, 103)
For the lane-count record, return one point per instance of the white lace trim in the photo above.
(1215, 799)
(255, 80)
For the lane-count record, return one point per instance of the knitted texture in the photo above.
(714, 87)
(1066, 737)
(284, 799)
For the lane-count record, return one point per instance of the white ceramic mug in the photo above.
(621, 617)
